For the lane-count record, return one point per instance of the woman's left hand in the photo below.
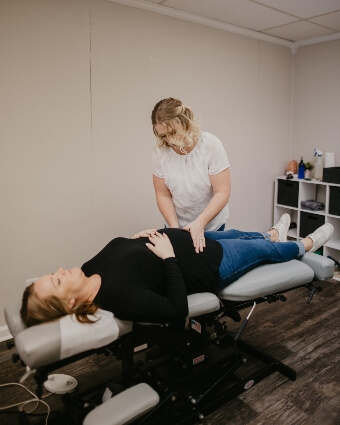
(196, 230)
(160, 245)
(144, 233)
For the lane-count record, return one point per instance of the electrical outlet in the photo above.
(29, 281)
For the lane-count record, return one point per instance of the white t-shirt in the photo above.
(187, 178)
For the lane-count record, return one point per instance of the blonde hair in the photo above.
(35, 310)
(170, 111)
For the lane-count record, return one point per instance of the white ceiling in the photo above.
(288, 22)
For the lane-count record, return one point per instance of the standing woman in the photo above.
(191, 172)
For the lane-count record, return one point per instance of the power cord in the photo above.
(22, 404)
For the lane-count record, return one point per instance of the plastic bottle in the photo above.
(301, 171)
(318, 170)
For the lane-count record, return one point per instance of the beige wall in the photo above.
(316, 107)
(46, 210)
(77, 85)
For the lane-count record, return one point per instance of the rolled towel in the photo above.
(313, 205)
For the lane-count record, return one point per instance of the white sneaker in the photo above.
(282, 227)
(321, 236)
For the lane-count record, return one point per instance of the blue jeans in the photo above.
(243, 251)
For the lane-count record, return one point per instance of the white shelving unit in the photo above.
(288, 197)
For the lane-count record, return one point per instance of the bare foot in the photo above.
(307, 243)
(274, 235)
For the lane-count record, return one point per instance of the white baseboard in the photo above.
(4, 333)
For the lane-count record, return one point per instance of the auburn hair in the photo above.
(35, 310)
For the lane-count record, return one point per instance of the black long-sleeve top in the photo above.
(138, 285)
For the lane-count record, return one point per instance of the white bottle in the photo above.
(318, 170)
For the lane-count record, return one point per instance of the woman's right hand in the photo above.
(161, 245)
(144, 233)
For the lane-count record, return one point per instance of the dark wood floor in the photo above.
(305, 337)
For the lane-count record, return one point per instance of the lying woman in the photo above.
(148, 277)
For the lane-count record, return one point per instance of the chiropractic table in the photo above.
(169, 373)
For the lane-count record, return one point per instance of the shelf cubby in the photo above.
(288, 197)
